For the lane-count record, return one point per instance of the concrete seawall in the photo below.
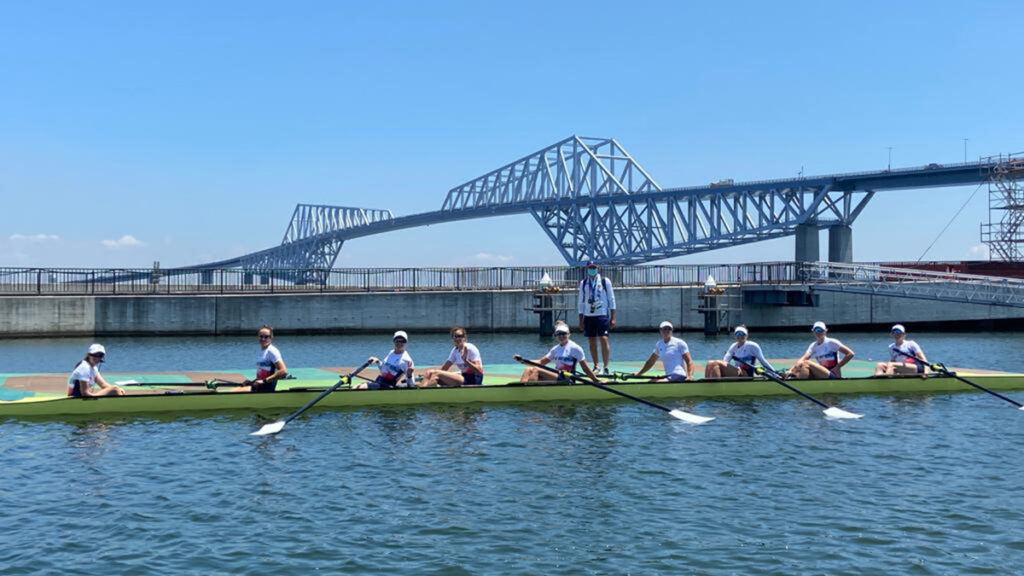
(639, 309)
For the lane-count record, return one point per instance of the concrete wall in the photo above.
(639, 309)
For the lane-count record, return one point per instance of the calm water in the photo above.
(921, 485)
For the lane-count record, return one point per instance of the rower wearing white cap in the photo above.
(739, 359)
(86, 382)
(674, 354)
(396, 364)
(899, 363)
(567, 355)
(821, 360)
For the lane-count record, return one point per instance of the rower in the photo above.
(270, 365)
(821, 360)
(674, 353)
(464, 356)
(396, 364)
(746, 351)
(898, 363)
(567, 356)
(86, 381)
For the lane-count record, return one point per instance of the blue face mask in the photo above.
(591, 272)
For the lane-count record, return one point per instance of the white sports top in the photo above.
(472, 354)
(826, 353)
(566, 357)
(909, 347)
(748, 353)
(671, 354)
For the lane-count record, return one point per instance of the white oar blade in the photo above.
(1022, 407)
(126, 382)
(690, 418)
(838, 414)
(268, 429)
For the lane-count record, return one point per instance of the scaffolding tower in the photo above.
(1004, 232)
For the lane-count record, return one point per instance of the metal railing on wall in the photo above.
(127, 281)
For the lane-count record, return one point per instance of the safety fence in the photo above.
(88, 281)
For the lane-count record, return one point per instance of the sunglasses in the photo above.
(399, 341)
(100, 356)
(560, 334)
(265, 336)
(458, 336)
(818, 331)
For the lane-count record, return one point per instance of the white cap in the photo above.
(665, 324)
(819, 324)
(740, 329)
(562, 328)
(400, 334)
(710, 282)
(97, 349)
(899, 328)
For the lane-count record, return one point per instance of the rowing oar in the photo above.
(941, 368)
(210, 384)
(830, 411)
(681, 415)
(633, 376)
(275, 427)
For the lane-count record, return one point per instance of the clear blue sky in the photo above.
(187, 131)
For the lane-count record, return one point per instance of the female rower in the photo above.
(396, 364)
(899, 363)
(821, 361)
(464, 356)
(674, 354)
(86, 382)
(270, 365)
(567, 356)
(744, 352)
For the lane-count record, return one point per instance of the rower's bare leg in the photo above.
(902, 369)
(592, 340)
(817, 371)
(606, 350)
(713, 369)
(730, 371)
(882, 369)
(448, 379)
(529, 374)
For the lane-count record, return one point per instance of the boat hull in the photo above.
(299, 392)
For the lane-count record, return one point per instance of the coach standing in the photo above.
(597, 313)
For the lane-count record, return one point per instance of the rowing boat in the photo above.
(37, 398)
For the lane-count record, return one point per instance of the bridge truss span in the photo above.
(594, 201)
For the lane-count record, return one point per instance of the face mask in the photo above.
(591, 272)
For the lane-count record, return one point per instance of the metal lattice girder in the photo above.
(577, 167)
(907, 283)
(641, 228)
(311, 242)
(314, 219)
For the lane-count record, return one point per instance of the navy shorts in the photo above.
(472, 379)
(382, 383)
(265, 388)
(675, 377)
(594, 326)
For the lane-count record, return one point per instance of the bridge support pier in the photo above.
(840, 244)
(807, 249)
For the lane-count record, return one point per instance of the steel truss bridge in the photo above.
(595, 202)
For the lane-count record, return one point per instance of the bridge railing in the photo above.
(142, 281)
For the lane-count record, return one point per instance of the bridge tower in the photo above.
(1004, 232)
